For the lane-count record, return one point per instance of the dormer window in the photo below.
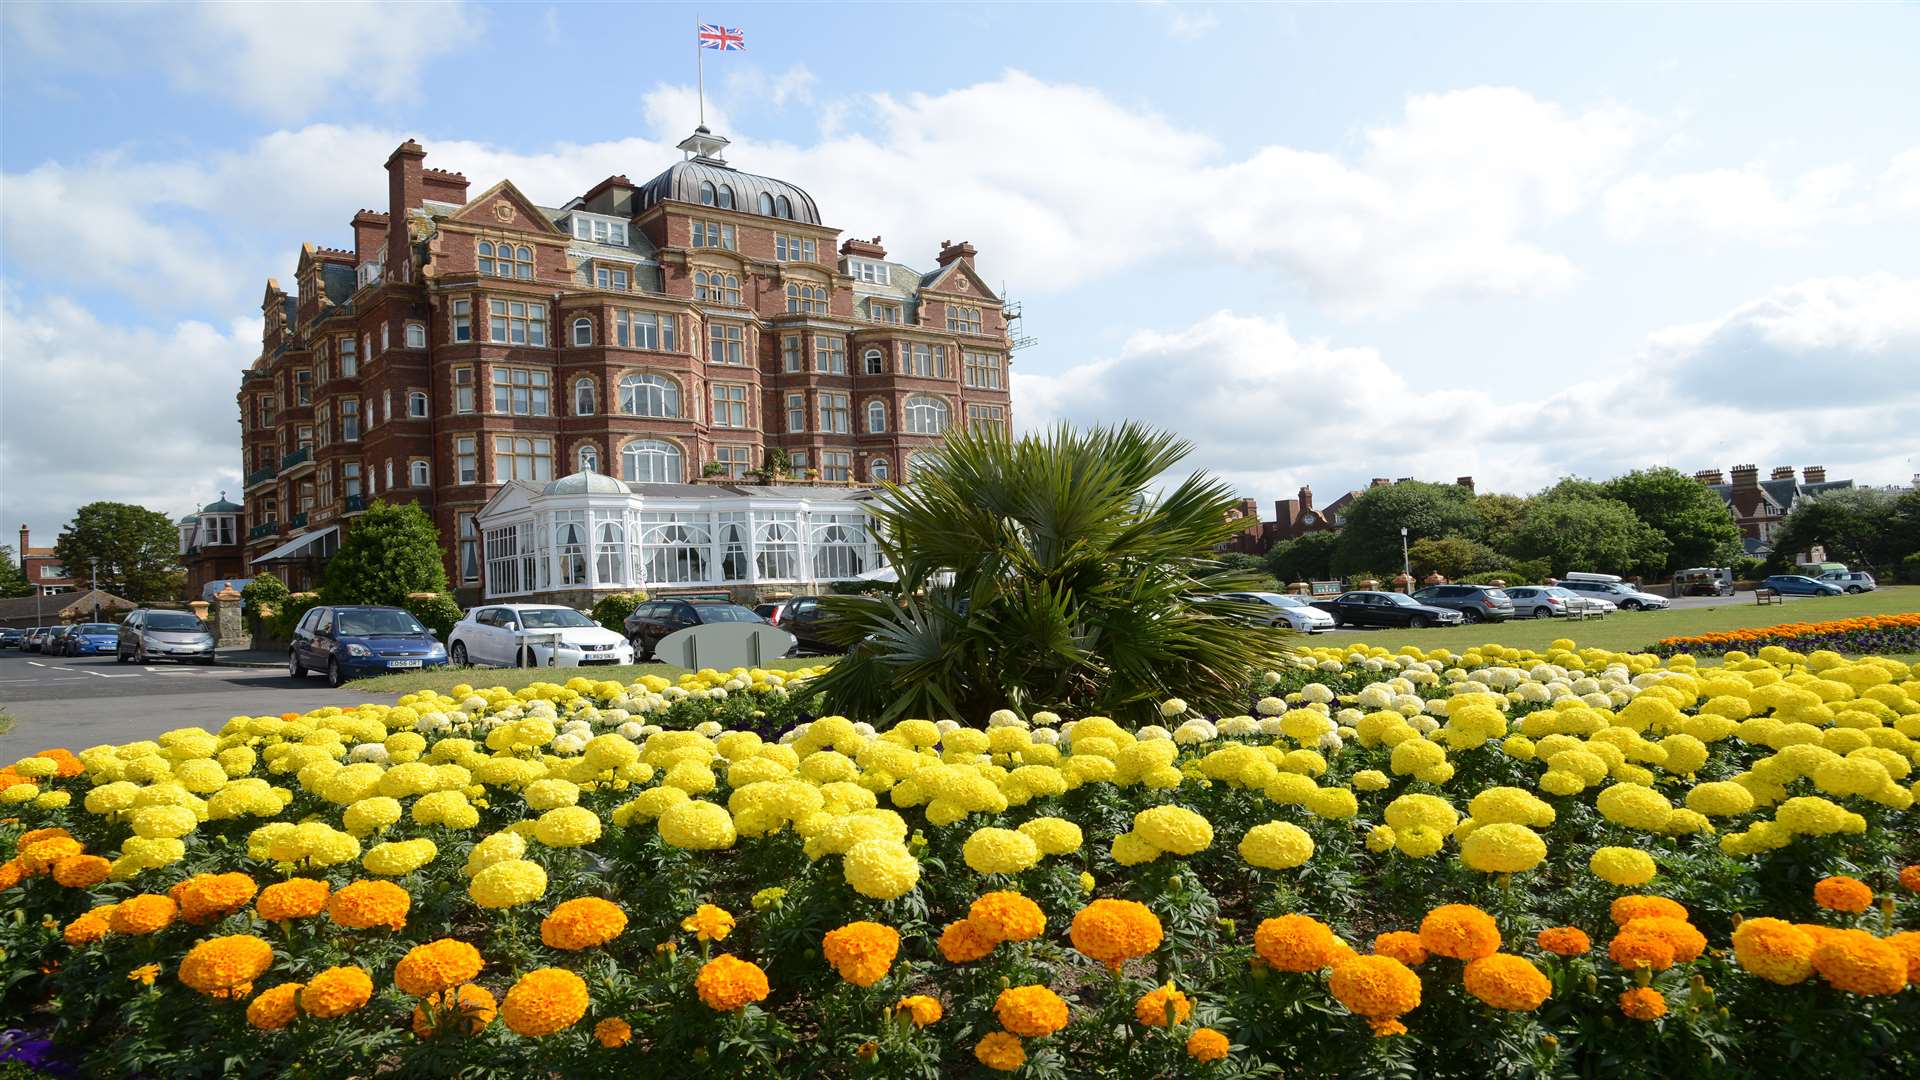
(599, 230)
(963, 320)
(867, 270)
(708, 195)
(781, 207)
(726, 198)
(607, 277)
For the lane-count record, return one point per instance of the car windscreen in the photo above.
(553, 619)
(1278, 600)
(725, 613)
(1401, 599)
(97, 628)
(377, 624)
(171, 620)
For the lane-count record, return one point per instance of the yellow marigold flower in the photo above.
(144, 974)
(336, 991)
(1007, 916)
(1174, 829)
(1206, 1044)
(467, 1010)
(726, 983)
(862, 952)
(1859, 963)
(697, 826)
(37, 856)
(436, 966)
(544, 1001)
(1053, 835)
(1460, 931)
(223, 963)
(1503, 848)
(1115, 931)
(921, 1009)
(1625, 909)
(881, 869)
(1564, 941)
(1000, 851)
(143, 914)
(1154, 1005)
(398, 858)
(583, 924)
(508, 883)
(1402, 946)
(1509, 982)
(1276, 845)
(613, 1032)
(275, 1007)
(1030, 1011)
(366, 904)
(295, 898)
(1622, 866)
(80, 871)
(1000, 1051)
(567, 826)
(963, 942)
(1774, 949)
(1296, 943)
(1842, 893)
(709, 922)
(1375, 986)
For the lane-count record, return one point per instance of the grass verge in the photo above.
(445, 679)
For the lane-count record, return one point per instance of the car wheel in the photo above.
(1630, 605)
(1853, 588)
(458, 654)
(120, 657)
(206, 661)
(1472, 616)
(334, 676)
(1542, 612)
(1418, 622)
(294, 667)
(140, 654)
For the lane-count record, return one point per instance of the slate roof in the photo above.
(338, 282)
(24, 610)
(681, 183)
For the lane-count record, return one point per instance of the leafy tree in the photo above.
(1861, 527)
(1253, 567)
(1453, 556)
(1304, 558)
(393, 550)
(13, 580)
(137, 550)
(1044, 572)
(1696, 522)
(1371, 536)
(1577, 532)
(1500, 515)
(264, 592)
(437, 613)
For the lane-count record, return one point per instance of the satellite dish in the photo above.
(724, 645)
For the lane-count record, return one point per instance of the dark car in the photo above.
(12, 637)
(769, 612)
(1475, 603)
(805, 618)
(1800, 585)
(149, 634)
(90, 639)
(354, 642)
(1386, 609)
(655, 619)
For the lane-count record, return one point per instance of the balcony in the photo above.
(356, 503)
(265, 528)
(298, 521)
(261, 476)
(302, 456)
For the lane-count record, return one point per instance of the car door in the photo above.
(650, 624)
(492, 640)
(322, 644)
(801, 618)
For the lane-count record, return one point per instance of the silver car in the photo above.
(1293, 611)
(1854, 581)
(1543, 601)
(150, 634)
(1618, 594)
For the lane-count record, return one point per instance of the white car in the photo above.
(1615, 591)
(1291, 611)
(533, 635)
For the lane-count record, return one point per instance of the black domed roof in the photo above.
(686, 181)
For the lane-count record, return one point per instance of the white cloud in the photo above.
(1184, 20)
(1900, 184)
(1748, 205)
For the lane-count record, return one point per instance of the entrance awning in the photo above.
(307, 545)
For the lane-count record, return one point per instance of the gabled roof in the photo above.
(526, 216)
(946, 277)
(338, 282)
(43, 610)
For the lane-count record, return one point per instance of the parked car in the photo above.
(1853, 581)
(1543, 601)
(656, 619)
(1364, 608)
(149, 634)
(1475, 603)
(353, 642)
(534, 635)
(769, 612)
(1800, 585)
(57, 641)
(1286, 610)
(12, 637)
(806, 620)
(1704, 581)
(36, 639)
(1609, 587)
(91, 639)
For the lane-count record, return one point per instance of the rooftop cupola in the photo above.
(704, 145)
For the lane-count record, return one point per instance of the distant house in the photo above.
(1759, 506)
(52, 609)
(42, 568)
(1297, 517)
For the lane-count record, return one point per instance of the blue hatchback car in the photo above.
(1800, 585)
(92, 639)
(355, 642)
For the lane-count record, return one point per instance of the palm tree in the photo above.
(1043, 573)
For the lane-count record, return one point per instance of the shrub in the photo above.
(438, 612)
(392, 551)
(288, 615)
(612, 611)
(265, 591)
(1910, 569)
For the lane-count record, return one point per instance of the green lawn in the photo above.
(1627, 631)
(445, 679)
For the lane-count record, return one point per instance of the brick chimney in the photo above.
(443, 186)
(1815, 474)
(614, 195)
(1306, 497)
(950, 251)
(1710, 476)
(1465, 482)
(1746, 476)
(1380, 481)
(23, 547)
(369, 232)
(865, 249)
(406, 187)
(1782, 472)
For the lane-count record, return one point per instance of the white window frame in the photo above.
(460, 324)
(416, 335)
(420, 473)
(417, 405)
(876, 417)
(466, 459)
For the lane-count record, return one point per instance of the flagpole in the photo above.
(700, 67)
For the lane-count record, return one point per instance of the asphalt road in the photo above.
(77, 702)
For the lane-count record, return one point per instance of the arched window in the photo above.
(920, 459)
(650, 461)
(589, 458)
(876, 362)
(927, 415)
(675, 550)
(706, 193)
(806, 299)
(766, 204)
(776, 546)
(583, 331)
(877, 470)
(649, 395)
(486, 257)
(610, 553)
(716, 288)
(420, 475)
(583, 398)
(782, 208)
(570, 536)
(839, 543)
(876, 417)
(726, 197)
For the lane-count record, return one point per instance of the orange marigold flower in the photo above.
(1375, 986)
(1842, 893)
(1908, 942)
(11, 874)
(38, 857)
(89, 928)
(1155, 1004)
(467, 1010)
(1384, 1026)
(1115, 931)
(1000, 1051)
(1032, 1011)
(583, 924)
(1460, 931)
(1773, 949)
(1206, 1044)
(727, 982)
(81, 871)
(295, 898)
(1643, 1003)
(921, 1009)
(143, 914)
(613, 1032)
(1506, 981)
(1401, 945)
(1859, 963)
(1688, 943)
(336, 991)
(862, 952)
(1910, 877)
(276, 1007)
(1635, 949)
(1007, 916)
(1564, 941)
(366, 904)
(1296, 943)
(206, 898)
(544, 1001)
(436, 966)
(145, 974)
(223, 963)
(962, 942)
(1640, 906)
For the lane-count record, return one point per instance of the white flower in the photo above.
(1195, 731)
(709, 729)
(1003, 718)
(1330, 666)
(473, 703)
(1348, 716)
(369, 751)
(1173, 707)
(946, 725)
(1346, 732)
(1425, 724)
(1376, 696)
(1271, 725)
(632, 729)
(1596, 700)
(1152, 732)
(1317, 692)
(1047, 736)
(1374, 663)
(1331, 743)
(1044, 718)
(718, 693)
(616, 716)
(1239, 727)
(1268, 678)
(569, 744)
(1409, 704)
(673, 693)
(1271, 706)
(866, 729)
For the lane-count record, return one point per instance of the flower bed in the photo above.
(1867, 634)
(1492, 862)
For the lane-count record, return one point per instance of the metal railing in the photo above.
(262, 476)
(298, 457)
(265, 528)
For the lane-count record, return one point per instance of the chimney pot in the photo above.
(1465, 482)
(962, 251)
(1782, 472)
(1816, 474)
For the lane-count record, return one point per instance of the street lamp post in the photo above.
(96, 590)
(1406, 564)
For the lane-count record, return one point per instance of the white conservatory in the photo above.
(589, 534)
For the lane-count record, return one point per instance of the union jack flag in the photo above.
(726, 39)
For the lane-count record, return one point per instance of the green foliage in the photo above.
(612, 611)
(1453, 556)
(1371, 536)
(438, 613)
(1696, 522)
(13, 581)
(1304, 558)
(1500, 515)
(1253, 566)
(1862, 527)
(1573, 528)
(262, 593)
(287, 615)
(1531, 572)
(136, 550)
(1043, 572)
(393, 550)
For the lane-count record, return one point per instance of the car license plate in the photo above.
(403, 663)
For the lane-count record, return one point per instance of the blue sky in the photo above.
(1324, 242)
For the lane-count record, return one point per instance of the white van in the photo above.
(1703, 581)
(1611, 587)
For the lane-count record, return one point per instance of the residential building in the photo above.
(211, 545)
(1759, 506)
(42, 568)
(1298, 516)
(704, 325)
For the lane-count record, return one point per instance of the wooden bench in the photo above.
(1766, 596)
